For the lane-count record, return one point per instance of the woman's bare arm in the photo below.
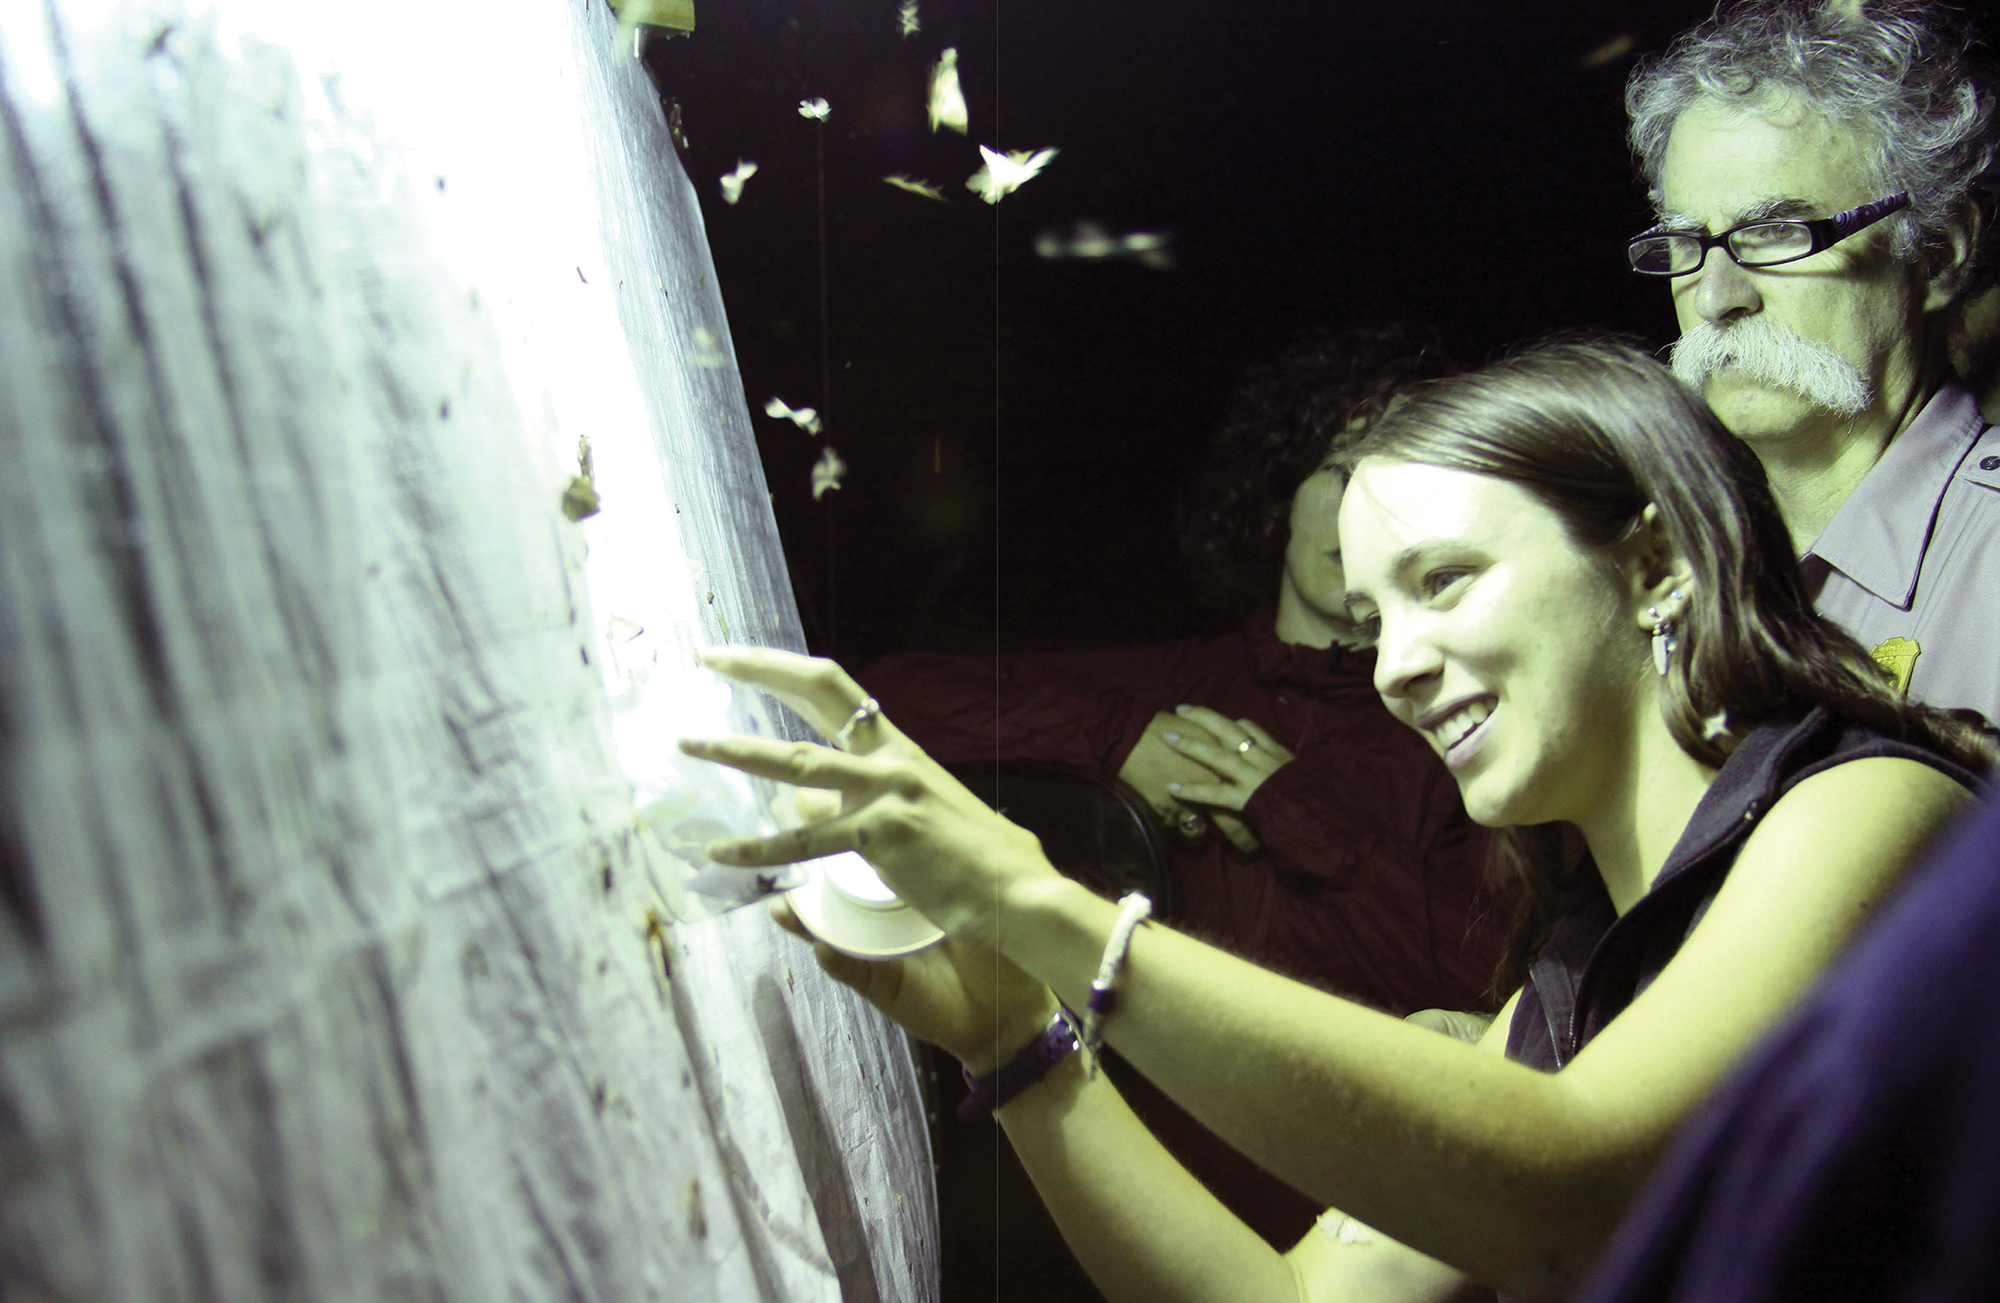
(1515, 1175)
(1512, 1175)
(1147, 1231)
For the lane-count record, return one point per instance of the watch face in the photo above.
(846, 905)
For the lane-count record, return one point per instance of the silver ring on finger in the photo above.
(867, 710)
(1243, 747)
(1192, 823)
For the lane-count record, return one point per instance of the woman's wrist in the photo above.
(1013, 1033)
(1056, 929)
(990, 1091)
(1052, 1092)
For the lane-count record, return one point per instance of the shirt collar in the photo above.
(1877, 537)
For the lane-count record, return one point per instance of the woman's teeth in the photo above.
(1459, 725)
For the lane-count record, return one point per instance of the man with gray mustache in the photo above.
(1815, 168)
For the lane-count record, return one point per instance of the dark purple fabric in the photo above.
(1856, 1154)
(1596, 962)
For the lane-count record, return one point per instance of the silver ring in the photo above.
(1191, 822)
(867, 710)
(1243, 747)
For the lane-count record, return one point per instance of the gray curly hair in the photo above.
(1899, 71)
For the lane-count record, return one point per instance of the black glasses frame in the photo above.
(1825, 232)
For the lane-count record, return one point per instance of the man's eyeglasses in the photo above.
(1762, 243)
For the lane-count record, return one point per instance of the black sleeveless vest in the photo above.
(1596, 962)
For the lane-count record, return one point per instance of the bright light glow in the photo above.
(527, 243)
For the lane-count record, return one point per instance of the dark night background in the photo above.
(1017, 430)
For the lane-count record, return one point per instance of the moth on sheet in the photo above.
(947, 100)
(827, 473)
(817, 109)
(732, 182)
(907, 21)
(916, 187)
(1004, 173)
(806, 418)
(707, 353)
(579, 499)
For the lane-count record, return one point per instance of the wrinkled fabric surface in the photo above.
(333, 963)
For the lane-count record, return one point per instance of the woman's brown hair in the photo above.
(1597, 430)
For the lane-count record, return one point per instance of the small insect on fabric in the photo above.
(732, 182)
(706, 352)
(806, 418)
(947, 98)
(1005, 173)
(827, 473)
(579, 500)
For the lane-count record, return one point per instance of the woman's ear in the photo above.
(1658, 575)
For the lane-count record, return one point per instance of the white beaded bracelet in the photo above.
(1132, 911)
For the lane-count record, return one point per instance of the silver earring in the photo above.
(1664, 641)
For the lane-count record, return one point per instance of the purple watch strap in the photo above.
(1057, 1042)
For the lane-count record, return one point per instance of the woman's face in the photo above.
(1313, 578)
(1516, 653)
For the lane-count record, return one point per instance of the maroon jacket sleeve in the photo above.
(1071, 707)
(1344, 802)
(1377, 834)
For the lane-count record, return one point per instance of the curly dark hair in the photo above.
(1288, 418)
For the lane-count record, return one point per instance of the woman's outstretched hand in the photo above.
(959, 996)
(940, 847)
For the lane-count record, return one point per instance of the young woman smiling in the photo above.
(1587, 602)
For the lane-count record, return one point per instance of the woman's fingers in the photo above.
(801, 764)
(861, 974)
(1227, 796)
(822, 692)
(812, 842)
(782, 914)
(1264, 740)
(1236, 749)
(1199, 747)
(1238, 833)
(792, 806)
(1218, 725)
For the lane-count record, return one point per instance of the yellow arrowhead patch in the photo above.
(1898, 659)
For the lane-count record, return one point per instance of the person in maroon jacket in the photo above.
(1318, 836)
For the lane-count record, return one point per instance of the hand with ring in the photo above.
(1152, 764)
(868, 711)
(1237, 755)
(941, 848)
